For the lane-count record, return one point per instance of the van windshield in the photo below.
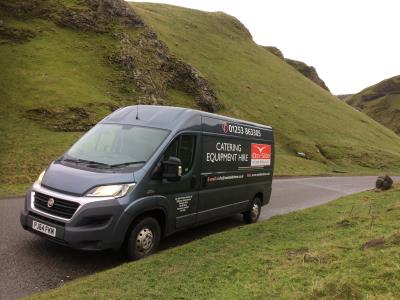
(115, 146)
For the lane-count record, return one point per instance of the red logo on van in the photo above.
(260, 155)
(225, 127)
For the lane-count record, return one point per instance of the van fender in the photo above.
(141, 206)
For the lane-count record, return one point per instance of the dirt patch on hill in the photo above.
(70, 119)
(14, 35)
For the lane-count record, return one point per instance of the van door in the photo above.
(182, 194)
(223, 187)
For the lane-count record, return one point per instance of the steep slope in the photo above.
(381, 102)
(66, 64)
(256, 85)
(309, 71)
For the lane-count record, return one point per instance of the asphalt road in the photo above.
(30, 264)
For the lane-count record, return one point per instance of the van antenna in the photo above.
(137, 112)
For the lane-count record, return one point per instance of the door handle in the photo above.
(193, 181)
(203, 180)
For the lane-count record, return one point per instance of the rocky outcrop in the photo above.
(27, 9)
(384, 183)
(16, 8)
(15, 35)
(387, 87)
(144, 60)
(80, 17)
(115, 10)
(77, 19)
(274, 50)
(99, 16)
(164, 70)
(308, 71)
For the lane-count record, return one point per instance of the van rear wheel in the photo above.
(143, 238)
(252, 215)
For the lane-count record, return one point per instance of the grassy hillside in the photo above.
(254, 84)
(381, 102)
(56, 84)
(66, 64)
(58, 69)
(347, 249)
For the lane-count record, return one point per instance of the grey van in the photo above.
(145, 172)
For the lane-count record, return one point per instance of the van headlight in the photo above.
(115, 190)
(39, 180)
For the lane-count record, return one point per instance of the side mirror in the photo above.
(172, 169)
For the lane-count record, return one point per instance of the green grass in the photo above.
(13, 190)
(386, 110)
(59, 68)
(62, 68)
(310, 254)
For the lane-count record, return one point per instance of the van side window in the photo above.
(172, 149)
(183, 147)
(186, 152)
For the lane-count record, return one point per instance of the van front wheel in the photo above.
(252, 215)
(143, 239)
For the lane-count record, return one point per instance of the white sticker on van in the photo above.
(224, 177)
(182, 203)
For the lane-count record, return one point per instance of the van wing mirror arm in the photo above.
(172, 169)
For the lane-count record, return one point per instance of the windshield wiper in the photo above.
(84, 161)
(89, 162)
(127, 164)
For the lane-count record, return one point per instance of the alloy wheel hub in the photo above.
(144, 240)
(255, 210)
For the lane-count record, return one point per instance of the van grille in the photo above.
(48, 220)
(61, 208)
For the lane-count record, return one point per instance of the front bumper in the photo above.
(96, 225)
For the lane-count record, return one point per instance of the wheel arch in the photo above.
(259, 195)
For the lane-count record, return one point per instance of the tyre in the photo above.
(144, 238)
(252, 215)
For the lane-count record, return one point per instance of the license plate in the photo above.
(44, 228)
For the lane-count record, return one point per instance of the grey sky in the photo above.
(352, 44)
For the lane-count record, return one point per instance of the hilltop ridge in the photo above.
(381, 102)
(308, 71)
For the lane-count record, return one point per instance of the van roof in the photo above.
(163, 116)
